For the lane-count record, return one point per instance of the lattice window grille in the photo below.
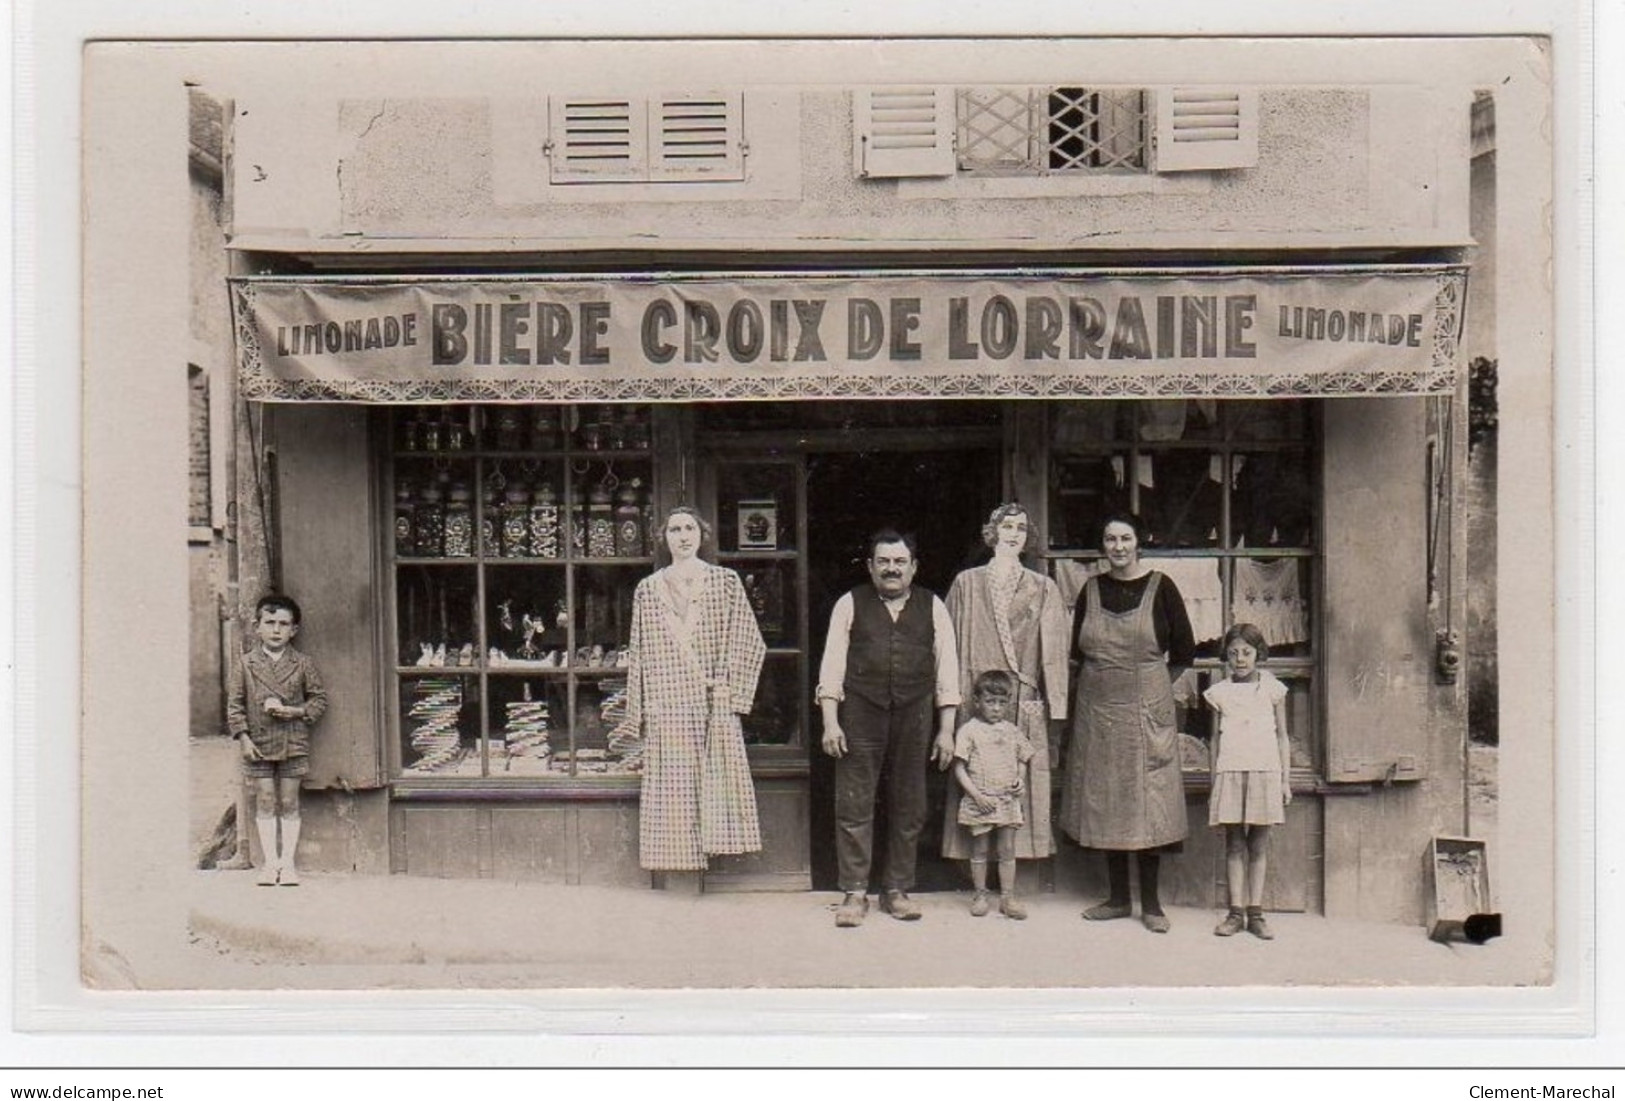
(1050, 130)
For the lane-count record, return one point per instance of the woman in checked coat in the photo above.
(696, 654)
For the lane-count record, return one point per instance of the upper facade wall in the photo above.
(379, 165)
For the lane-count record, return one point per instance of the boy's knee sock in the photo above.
(290, 838)
(1007, 875)
(978, 873)
(265, 826)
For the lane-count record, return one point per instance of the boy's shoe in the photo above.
(980, 904)
(1257, 927)
(852, 910)
(1234, 922)
(900, 906)
(267, 876)
(1011, 907)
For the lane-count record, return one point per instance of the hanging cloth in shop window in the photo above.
(1199, 583)
(1268, 595)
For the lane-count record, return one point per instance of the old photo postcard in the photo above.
(579, 521)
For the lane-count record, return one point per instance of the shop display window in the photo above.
(519, 535)
(1226, 491)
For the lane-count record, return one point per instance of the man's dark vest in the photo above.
(890, 663)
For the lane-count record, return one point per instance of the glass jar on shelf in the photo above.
(544, 522)
(515, 521)
(491, 517)
(459, 436)
(600, 522)
(509, 430)
(629, 523)
(430, 522)
(431, 432)
(544, 428)
(458, 535)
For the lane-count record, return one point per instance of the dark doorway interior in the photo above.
(941, 497)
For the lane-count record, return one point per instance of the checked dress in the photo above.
(693, 673)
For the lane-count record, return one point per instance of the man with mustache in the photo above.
(889, 664)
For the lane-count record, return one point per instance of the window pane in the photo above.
(435, 616)
(1083, 491)
(527, 724)
(771, 587)
(756, 507)
(604, 615)
(526, 617)
(434, 508)
(1181, 497)
(440, 717)
(776, 717)
(1080, 425)
(613, 505)
(600, 706)
(1282, 419)
(1272, 504)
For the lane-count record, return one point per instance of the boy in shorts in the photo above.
(275, 699)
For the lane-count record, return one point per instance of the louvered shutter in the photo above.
(697, 137)
(903, 131)
(1199, 128)
(595, 139)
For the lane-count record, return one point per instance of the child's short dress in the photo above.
(995, 755)
(1247, 777)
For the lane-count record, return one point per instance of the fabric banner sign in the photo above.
(1282, 332)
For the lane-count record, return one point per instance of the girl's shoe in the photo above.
(1234, 922)
(267, 876)
(1257, 927)
(980, 904)
(1011, 907)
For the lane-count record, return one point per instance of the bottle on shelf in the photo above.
(456, 431)
(510, 429)
(431, 433)
(544, 428)
(405, 519)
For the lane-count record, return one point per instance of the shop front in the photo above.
(460, 473)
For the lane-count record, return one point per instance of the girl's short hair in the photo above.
(657, 530)
(990, 530)
(277, 602)
(995, 682)
(1129, 520)
(1249, 634)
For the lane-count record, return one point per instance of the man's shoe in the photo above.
(1107, 911)
(1234, 922)
(980, 904)
(899, 906)
(1011, 907)
(852, 910)
(1157, 923)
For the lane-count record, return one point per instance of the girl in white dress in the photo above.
(1252, 766)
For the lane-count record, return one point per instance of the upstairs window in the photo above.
(1051, 130)
(654, 139)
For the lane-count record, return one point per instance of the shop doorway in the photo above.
(941, 497)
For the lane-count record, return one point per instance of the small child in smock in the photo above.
(990, 758)
(1252, 773)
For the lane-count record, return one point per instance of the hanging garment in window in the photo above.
(1268, 594)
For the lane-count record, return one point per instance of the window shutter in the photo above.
(595, 139)
(697, 137)
(903, 131)
(1198, 128)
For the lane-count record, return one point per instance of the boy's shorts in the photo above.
(289, 768)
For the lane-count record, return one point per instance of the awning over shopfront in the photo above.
(1280, 332)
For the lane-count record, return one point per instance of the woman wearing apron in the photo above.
(1124, 793)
